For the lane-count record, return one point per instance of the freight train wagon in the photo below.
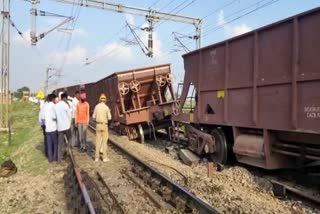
(258, 95)
(70, 90)
(141, 100)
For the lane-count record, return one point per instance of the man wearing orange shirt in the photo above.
(82, 120)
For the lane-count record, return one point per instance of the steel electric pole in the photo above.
(5, 62)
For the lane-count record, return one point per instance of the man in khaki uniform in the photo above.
(101, 115)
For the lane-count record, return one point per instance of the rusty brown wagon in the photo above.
(141, 100)
(70, 90)
(257, 94)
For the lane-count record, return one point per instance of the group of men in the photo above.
(64, 121)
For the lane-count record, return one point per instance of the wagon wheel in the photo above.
(160, 80)
(221, 153)
(123, 88)
(176, 108)
(141, 134)
(169, 78)
(135, 86)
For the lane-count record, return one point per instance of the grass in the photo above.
(26, 147)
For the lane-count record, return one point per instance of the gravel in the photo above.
(234, 190)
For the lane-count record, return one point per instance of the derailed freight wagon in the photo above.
(141, 100)
(257, 94)
(70, 90)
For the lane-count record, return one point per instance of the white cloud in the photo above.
(126, 53)
(24, 40)
(221, 20)
(79, 33)
(130, 19)
(157, 52)
(232, 30)
(116, 50)
(238, 30)
(74, 56)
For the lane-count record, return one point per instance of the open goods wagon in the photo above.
(141, 100)
(71, 90)
(257, 95)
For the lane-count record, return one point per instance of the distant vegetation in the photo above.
(18, 93)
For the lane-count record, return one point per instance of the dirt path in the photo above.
(38, 186)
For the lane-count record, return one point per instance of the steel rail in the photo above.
(82, 186)
(282, 189)
(192, 201)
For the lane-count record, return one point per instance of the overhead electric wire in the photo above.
(143, 47)
(155, 3)
(20, 33)
(73, 25)
(221, 8)
(190, 35)
(68, 24)
(255, 5)
(165, 6)
(173, 11)
(211, 13)
(111, 38)
(239, 17)
(217, 27)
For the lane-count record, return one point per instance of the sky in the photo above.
(99, 43)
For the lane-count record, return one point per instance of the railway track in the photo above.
(152, 191)
(76, 190)
(128, 185)
(107, 190)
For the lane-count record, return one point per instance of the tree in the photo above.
(18, 93)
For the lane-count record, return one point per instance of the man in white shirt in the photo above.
(74, 129)
(50, 119)
(43, 126)
(41, 103)
(63, 112)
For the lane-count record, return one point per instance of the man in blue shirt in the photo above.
(63, 112)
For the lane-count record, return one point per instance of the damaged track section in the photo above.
(171, 192)
(76, 191)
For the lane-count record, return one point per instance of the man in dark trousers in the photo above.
(50, 119)
(63, 113)
(43, 125)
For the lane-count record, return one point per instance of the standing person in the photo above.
(101, 115)
(43, 125)
(63, 113)
(82, 120)
(50, 119)
(74, 129)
